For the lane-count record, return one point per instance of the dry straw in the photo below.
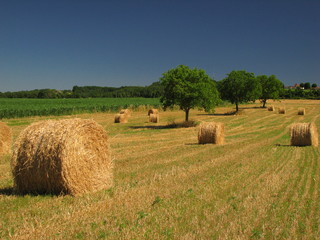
(62, 157)
(126, 112)
(282, 110)
(5, 139)
(153, 111)
(301, 111)
(271, 108)
(154, 118)
(304, 134)
(211, 132)
(121, 118)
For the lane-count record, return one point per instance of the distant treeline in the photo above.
(155, 90)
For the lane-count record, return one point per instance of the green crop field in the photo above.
(13, 108)
(167, 186)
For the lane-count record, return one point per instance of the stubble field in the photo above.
(167, 186)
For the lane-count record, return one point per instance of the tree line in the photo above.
(265, 86)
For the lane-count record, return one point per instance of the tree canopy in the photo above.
(239, 87)
(188, 88)
(271, 88)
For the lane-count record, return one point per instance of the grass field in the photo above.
(255, 186)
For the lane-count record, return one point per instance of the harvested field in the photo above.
(167, 186)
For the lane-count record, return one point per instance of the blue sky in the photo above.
(61, 43)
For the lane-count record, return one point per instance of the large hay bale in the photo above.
(126, 112)
(211, 132)
(271, 108)
(5, 139)
(301, 111)
(121, 118)
(153, 111)
(304, 134)
(154, 118)
(282, 110)
(68, 156)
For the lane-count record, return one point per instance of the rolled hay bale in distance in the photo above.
(126, 112)
(301, 111)
(211, 132)
(121, 118)
(271, 108)
(5, 139)
(282, 110)
(153, 111)
(154, 118)
(62, 157)
(304, 134)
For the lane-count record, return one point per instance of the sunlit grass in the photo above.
(255, 186)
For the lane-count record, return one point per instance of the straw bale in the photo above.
(271, 108)
(121, 118)
(282, 110)
(153, 111)
(126, 112)
(154, 118)
(301, 111)
(68, 156)
(304, 134)
(211, 132)
(5, 139)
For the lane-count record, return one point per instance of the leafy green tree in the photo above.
(271, 88)
(307, 85)
(188, 88)
(314, 85)
(240, 87)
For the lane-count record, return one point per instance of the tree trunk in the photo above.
(237, 107)
(187, 114)
(264, 103)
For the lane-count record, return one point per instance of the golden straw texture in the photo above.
(154, 118)
(282, 110)
(211, 132)
(304, 134)
(5, 139)
(271, 108)
(153, 111)
(69, 156)
(121, 118)
(301, 111)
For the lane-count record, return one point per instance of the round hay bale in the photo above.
(301, 111)
(5, 139)
(304, 134)
(153, 111)
(211, 132)
(126, 112)
(154, 118)
(282, 110)
(271, 108)
(121, 118)
(62, 157)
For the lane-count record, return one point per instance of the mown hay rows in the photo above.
(243, 186)
(5, 139)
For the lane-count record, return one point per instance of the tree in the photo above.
(307, 85)
(239, 87)
(301, 85)
(314, 85)
(271, 88)
(188, 88)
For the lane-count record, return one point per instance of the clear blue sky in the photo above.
(61, 43)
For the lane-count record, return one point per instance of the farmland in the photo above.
(167, 186)
(16, 107)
